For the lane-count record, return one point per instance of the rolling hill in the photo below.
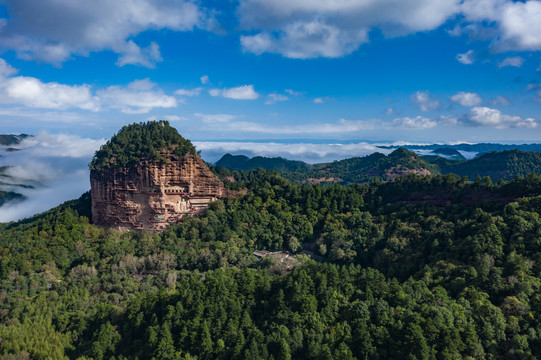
(504, 165)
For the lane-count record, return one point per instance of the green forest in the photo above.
(434, 267)
(139, 141)
(506, 165)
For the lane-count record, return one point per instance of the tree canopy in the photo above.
(140, 141)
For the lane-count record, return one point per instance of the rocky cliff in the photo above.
(147, 176)
(152, 194)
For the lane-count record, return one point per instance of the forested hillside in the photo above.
(504, 165)
(347, 171)
(418, 268)
(498, 165)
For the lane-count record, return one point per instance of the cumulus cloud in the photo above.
(138, 97)
(204, 79)
(466, 98)
(515, 61)
(189, 92)
(517, 23)
(55, 165)
(302, 40)
(244, 92)
(32, 92)
(319, 28)
(423, 100)
(467, 58)
(215, 118)
(52, 31)
(274, 98)
(484, 116)
(418, 122)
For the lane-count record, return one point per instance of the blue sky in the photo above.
(282, 70)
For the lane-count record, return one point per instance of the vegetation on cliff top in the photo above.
(140, 141)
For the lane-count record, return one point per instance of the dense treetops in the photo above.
(498, 165)
(140, 141)
(402, 276)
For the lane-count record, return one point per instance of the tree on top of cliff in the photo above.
(140, 141)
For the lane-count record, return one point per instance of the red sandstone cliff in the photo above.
(152, 194)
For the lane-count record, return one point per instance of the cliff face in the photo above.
(152, 194)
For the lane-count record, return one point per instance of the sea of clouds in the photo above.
(55, 165)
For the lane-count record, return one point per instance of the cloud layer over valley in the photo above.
(55, 166)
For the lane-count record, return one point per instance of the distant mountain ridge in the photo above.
(479, 148)
(242, 162)
(10, 139)
(498, 165)
(352, 170)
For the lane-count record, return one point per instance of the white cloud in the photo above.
(189, 92)
(52, 31)
(134, 55)
(321, 28)
(515, 61)
(518, 24)
(342, 126)
(293, 92)
(244, 92)
(6, 69)
(321, 100)
(204, 79)
(422, 98)
(32, 92)
(466, 98)
(418, 122)
(499, 101)
(484, 116)
(138, 97)
(56, 165)
(467, 58)
(274, 98)
(448, 120)
(167, 117)
(302, 40)
(311, 153)
(215, 118)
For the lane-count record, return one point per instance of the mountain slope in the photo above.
(242, 162)
(352, 170)
(498, 165)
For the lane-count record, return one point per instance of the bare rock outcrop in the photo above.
(152, 194)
